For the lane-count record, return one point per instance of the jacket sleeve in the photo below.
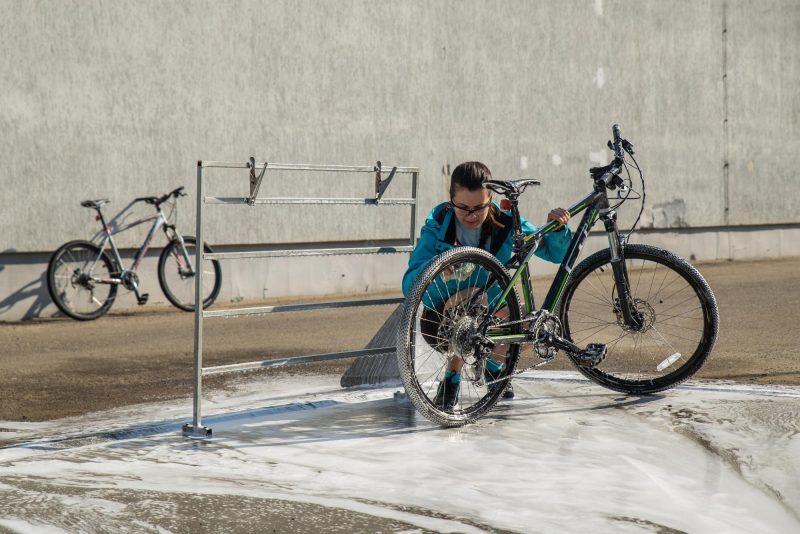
(423, 253)
(554, 245)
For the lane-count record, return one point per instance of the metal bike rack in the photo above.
(257, 171)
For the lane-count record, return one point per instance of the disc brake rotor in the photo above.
(645, 312)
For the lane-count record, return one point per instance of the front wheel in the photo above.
(676, 327)
(443, 311)
(176, 274)
(80, 280)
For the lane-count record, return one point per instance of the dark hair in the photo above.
(472, 175)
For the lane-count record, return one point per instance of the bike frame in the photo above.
(159, 221)
(596, 207)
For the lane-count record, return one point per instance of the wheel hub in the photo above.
(80, 278)
(643, 314)
(462, 340)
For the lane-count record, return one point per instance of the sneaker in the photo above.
(447, 395)
(489, 376)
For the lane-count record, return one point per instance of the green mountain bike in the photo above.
(633, 318)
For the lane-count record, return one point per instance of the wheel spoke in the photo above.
(73, 278)
(449, 309)
(666, 296)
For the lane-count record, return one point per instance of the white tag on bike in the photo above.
(668, 361)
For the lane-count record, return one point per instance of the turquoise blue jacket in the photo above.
(438, 235)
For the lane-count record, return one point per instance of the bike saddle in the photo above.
(96, 204)
(510, 186)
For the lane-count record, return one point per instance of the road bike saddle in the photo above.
(510, 186)
(94, 203)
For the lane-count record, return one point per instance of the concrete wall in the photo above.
(118, 100)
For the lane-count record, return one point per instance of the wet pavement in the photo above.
(564, 456)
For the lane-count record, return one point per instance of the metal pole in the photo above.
(414, 177)
(196, 429)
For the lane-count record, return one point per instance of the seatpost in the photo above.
(519, 236)
(102, 219)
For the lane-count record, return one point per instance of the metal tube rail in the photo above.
(288, 253)
(245, 200)
(281, 308)
(280, 362)
(300, 167)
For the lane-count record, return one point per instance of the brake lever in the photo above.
(616, 182)
(628, 146)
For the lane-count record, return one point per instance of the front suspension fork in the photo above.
(187, 265)
(616, 243)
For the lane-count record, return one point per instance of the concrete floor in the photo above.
(300, 454)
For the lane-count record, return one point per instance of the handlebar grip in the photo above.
(617, 141)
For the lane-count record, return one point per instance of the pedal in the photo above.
(143, 298)
(591, 356)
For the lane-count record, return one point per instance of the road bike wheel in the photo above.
(73, 275)
(453, 292)
(680, 315)
(177, 282)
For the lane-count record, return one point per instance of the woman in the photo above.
(472, 219)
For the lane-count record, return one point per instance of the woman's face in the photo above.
(471, 207)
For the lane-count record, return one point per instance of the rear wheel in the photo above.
(78, 280)
(676, 309)
(444, 308)
(177, 279)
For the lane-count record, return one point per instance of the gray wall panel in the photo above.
(118, 100)
(764, 110)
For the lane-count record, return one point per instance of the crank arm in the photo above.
(552, 340)
(592, 355)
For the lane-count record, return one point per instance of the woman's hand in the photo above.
(559, 214)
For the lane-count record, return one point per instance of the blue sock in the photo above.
(453, 376)
(493, 366)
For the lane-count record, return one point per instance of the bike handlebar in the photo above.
(157, 201)
(608, 174)
(617, 141)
